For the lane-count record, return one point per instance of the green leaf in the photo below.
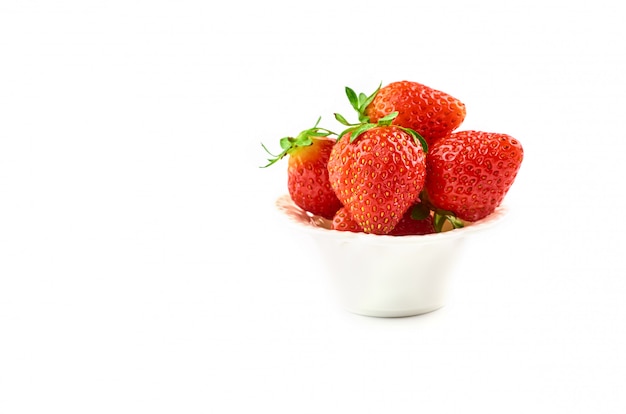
(438, 222)
(285, 143)
(419, 139)
(441, 216)
(387, 119)
(420, 212)
(344, 132)
(354, 100)
(319, 133)
(303, 139)
(359, 130)
(342, 120)
(317, 123)
(363, 118)
(275, 158)
(455, 221)
(362, 99)
(266, 150)
(370, 98)
(361, 102)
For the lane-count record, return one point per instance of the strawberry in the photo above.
(377, 172)
(432, 113)
(307, 172)
(470, 172)
(416, 221)
(343, 222)
(412, 223)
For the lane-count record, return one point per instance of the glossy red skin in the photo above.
(307, 178)
(432, 113)
(405, 227)
(409, 227)
(343, 222)
(378, 176)
(470, 172)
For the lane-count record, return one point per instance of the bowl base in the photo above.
(395, 313)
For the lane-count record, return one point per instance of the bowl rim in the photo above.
(313, 224)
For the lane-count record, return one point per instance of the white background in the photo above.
(144, 270)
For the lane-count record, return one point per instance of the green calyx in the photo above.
(356, 130)
(361, 101)
(440, 216)
(425, 208)
(420, 211)
(303, 139)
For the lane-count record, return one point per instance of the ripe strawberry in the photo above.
(430, 112)
(470, 172)
(307, 172)
(408, 225)
(377, 172)
(343, 222)
(416, 221)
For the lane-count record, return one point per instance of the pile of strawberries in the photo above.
(403, 168)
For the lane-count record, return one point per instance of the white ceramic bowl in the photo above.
(386, 276)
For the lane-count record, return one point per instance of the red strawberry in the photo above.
(430, 112)
(307, 172)
(470, 172)
(343, 222)
(408, 225)
(416, 221)
(377, 172)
